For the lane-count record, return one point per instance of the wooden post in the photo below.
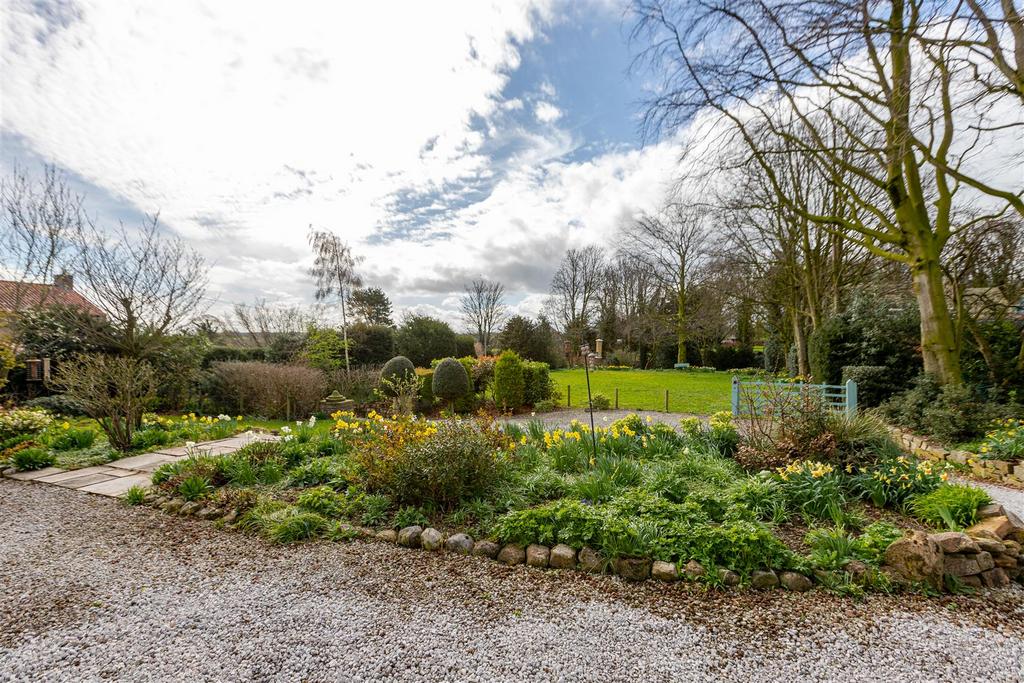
(666, 400)
(616, 398)
(568, 395)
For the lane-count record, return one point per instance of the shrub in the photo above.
(424, 390)
(292, 524)
(874, 383)
(324, 349)
(321, 500)
(21, 422)
(438, 464)
(952, 413)
(546, 406)
(954, 506)
(599, 401)
(396, 370)
(893, 480)
(814, 489)
(450, 380)
(358, 384)
(273, 391)
(509, 384)
(57, 404)
(136, 495)
(421, 339)
(70, 438)
(371, 344)
(537, 384)
(25, 459)
(194, 487)
(409, 516)
(1005, 441)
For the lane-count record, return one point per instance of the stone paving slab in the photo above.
(137, 462)
(33, 475)
(74, 474)
(86, 480)
(114, 479)
(115, 488)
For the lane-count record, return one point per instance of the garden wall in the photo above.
(1002, 471)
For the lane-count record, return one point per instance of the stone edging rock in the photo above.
(986, 555)
(1003, 471)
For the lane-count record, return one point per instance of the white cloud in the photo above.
(547, 112)
(243, 123)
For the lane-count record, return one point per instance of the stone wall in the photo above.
(1002, 471)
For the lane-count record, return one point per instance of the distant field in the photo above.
(688, 392)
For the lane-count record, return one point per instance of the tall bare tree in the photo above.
(334, 269)
(674, 242)
(574, 290)
(263, 322)
(483, 309)
(776, 72)
(148, 284)
(39, 218)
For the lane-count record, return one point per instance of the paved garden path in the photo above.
(93, 590)
(115, 478)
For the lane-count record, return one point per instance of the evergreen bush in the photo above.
(450, 380)
(509, 382)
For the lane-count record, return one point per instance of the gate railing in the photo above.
(749, 397)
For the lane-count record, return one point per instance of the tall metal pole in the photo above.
(585, 350)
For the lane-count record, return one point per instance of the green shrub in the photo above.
(546, 406)
(537, 384)
(409, 516)
(952, 413)
(450, 380)
(315, 472)
(22, 421)
(194, 487)
(321, 500)
(459, 461)
(136, 495)
(73, 438)
(396, 370)
(421, 339)
(290, 525)
(373, 509)
(953, 506)
(509, 384)
(32, 459)
(425, 389)
(891, 481)
(600, 402)
(814, 489)
(875, 383)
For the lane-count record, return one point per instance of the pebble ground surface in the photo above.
(93, 590)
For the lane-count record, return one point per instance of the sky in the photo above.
(445, 141)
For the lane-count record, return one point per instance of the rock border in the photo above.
(988, 555)
(999, 471)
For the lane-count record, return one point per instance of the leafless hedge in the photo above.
(270, 390)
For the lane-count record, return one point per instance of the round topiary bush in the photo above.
(451, 381)
(395, 371)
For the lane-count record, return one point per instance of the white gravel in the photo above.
(1010, 498)
(91, 590)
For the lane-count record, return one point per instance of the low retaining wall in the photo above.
(1002, 471)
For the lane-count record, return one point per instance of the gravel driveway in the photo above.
(92, 590)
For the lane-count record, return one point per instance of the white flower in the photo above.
(312, 421)
(298, 423)
(533, 414)
(190, 444)
(286, 429)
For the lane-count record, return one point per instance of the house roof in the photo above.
(16, 296)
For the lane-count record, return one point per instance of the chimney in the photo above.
(64, 281)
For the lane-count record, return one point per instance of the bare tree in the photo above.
(334, 268)
(483, 308)
(792, 74)
(674, 242)
(38, 221)
(262, 322)
(146, 283)
(574, 289)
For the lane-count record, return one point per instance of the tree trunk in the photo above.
(939, 347)
(800, 339)
(681, 323)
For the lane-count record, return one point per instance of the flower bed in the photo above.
(34, 439)
(632, 497)
(998, 458)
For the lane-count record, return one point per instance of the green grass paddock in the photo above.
(688, 392)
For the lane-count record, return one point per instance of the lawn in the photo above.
(688, 392)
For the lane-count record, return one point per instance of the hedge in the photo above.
(536, 383)
(509, 382)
